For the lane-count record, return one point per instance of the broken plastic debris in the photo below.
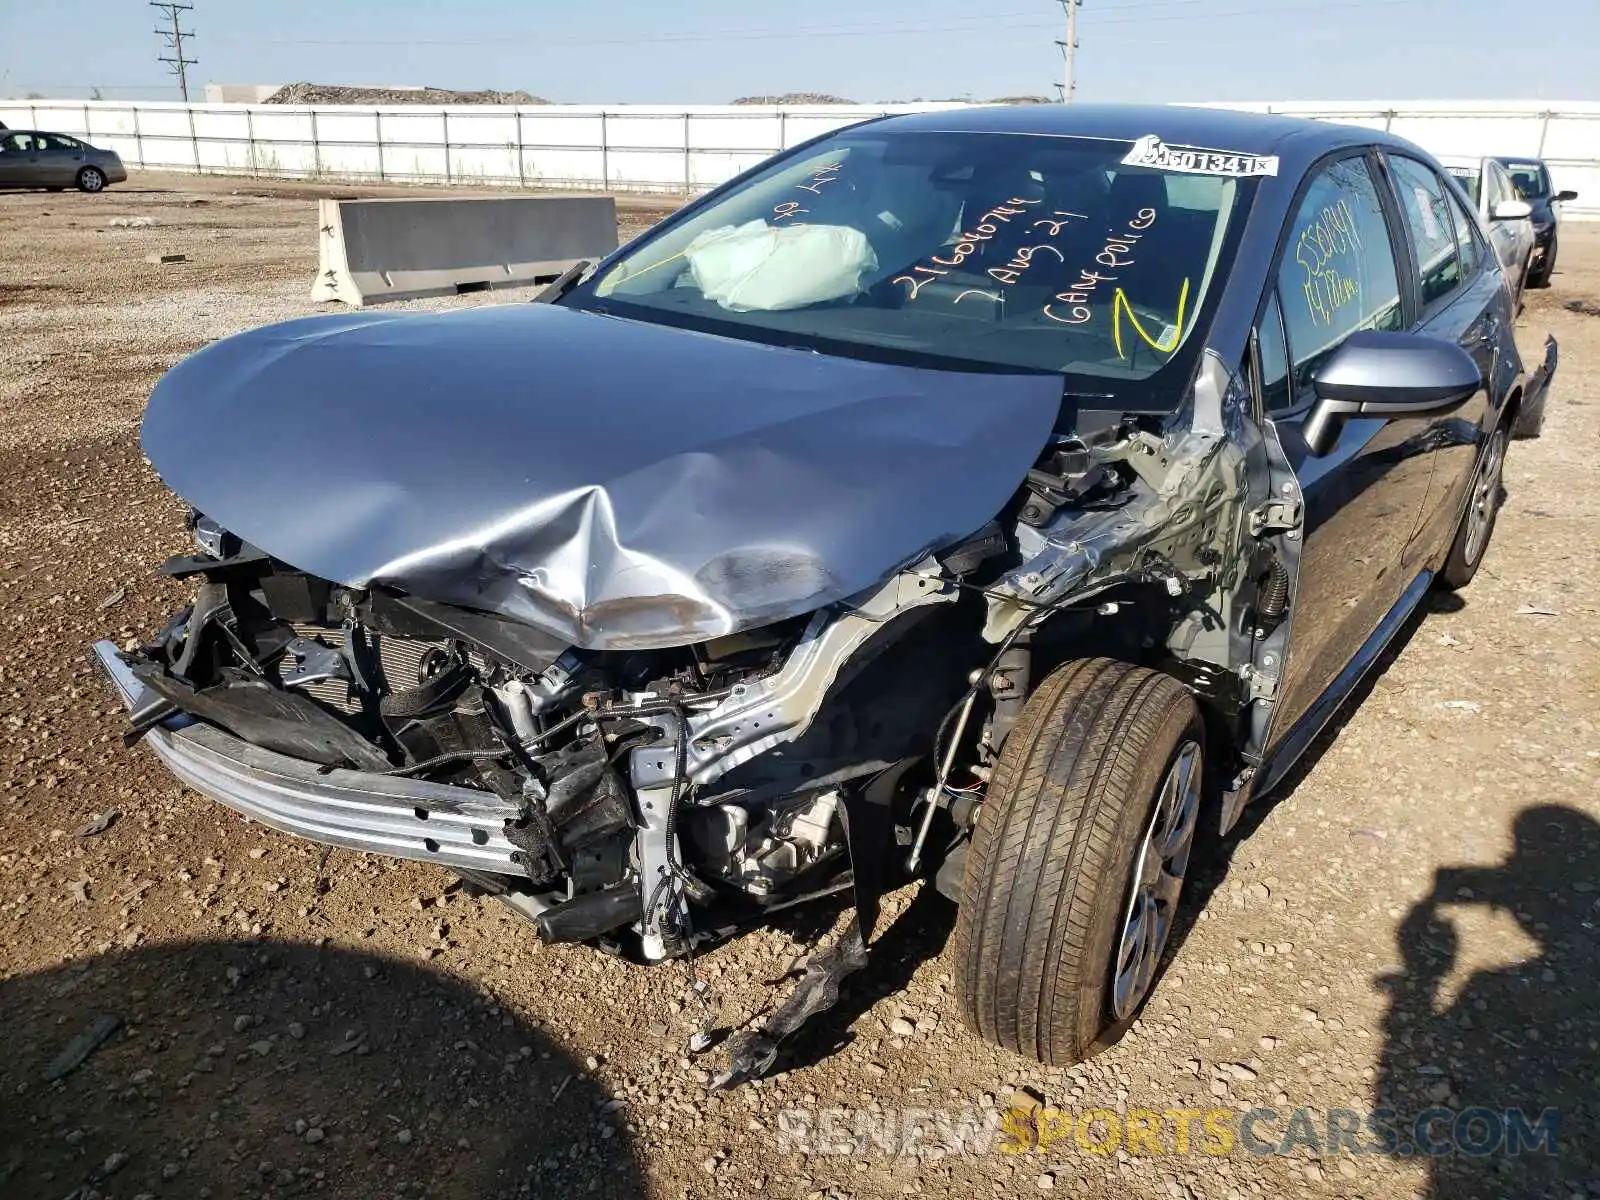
(98, 823)
(74, 1053)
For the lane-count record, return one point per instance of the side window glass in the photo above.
(1338, 273)
(1502, 189)
(1466, 237)
(1274, 353)
(1427, 215)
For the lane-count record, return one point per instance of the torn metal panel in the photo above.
(1184, 521)
(695, 486)
(765, 712)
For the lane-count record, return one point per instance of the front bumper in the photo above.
(381, 814)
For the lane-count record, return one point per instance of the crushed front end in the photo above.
(556, 778)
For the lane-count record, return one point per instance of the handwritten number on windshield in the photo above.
(966, 245)
(819, 179)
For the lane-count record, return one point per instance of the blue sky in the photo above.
(710, 51)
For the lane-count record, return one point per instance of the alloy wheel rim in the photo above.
(1485, 497)
(1158, 874)
(93, 180)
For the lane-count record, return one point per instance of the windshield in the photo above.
(1468, 178)
(979, 250)
(1530, 179)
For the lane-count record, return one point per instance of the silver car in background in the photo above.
(1507, 218)
(30, 158)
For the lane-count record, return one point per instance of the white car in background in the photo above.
(1507, 218)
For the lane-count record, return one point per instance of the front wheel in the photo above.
(1078, 859)
(1540, 277)
(91, 179)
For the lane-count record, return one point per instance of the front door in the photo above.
(19, 162)
(1339, 273)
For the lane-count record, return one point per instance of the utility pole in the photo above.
(174, 39)
(1068, 85)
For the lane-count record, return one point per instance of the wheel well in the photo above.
(1513, 408)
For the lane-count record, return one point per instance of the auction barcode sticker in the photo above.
(1151, 151)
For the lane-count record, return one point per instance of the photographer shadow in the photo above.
(271, 1068)
(1517, 1042)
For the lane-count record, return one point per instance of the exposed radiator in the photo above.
(400, 659)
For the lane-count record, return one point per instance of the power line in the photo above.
(174, 39)
(886, 27)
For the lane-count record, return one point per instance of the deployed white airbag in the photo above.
(756, 267)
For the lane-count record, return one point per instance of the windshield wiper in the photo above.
(562, 283)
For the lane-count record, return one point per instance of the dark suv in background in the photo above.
(1532, 180)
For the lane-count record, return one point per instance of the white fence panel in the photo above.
(656, 148)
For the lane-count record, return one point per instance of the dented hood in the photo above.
(616, 484)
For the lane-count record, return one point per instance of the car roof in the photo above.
(1212, 128)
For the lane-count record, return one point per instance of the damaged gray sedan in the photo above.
(982, 495)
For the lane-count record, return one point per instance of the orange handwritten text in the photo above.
(818, 180)
(966, 245)
(1116, 252)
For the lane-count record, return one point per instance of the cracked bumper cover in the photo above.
(358, 810)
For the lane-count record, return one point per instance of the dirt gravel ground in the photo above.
(1410, 922)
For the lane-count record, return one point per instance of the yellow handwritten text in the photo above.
(1326, 250)
(1120, 307)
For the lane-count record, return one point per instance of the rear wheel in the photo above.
(1477, 523)
(91, 179)
(1078, 859)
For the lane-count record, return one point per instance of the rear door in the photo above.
(1342, 268)
(61, 158)
(1464, 300)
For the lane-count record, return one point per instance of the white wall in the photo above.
(636, 147)
(658, 148)
(1565, 134)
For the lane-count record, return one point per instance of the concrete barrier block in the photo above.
(371, 251)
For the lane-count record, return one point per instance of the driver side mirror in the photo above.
(1564, 197)
(1387, 375)
(1511, 210)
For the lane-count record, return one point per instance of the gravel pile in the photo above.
(333, 93)
(794, 98)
